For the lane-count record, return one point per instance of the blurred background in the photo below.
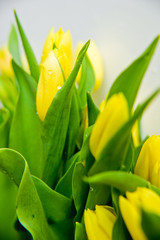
(120, 29)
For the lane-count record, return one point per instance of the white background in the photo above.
(122, 29)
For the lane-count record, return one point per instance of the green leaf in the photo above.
(28, 208)
(28, 51)
(56, 124)
(93, 110)
(7, 209)
(73, 127)
(114, 153)
(25, 134)
(80, 233)
(13, 46)
(129, 80)
(56, 206)
(4, 127)
(121, 180)
(64, 186)
(79, 190)
(151, 225)
(87, 81)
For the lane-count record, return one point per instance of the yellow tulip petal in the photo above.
(94, 232)
(5, 62)
(106, 220)
(148, 162)
(109, 121)
(61, 43)
(132, 219)
(51, 80)
(48, 45)
(135, 134)
(65, 53)
(145, 198)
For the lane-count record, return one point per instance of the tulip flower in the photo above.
(50, 81)
(130, 207)
(114, 115)
(99, 223)
(5, 62)
(61, 44)
(56, 65)
(96, 61)
(148, 163)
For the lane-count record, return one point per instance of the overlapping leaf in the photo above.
(56, 123)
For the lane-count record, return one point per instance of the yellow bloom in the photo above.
(148, 163)
(50, 81)
(96, 61)
(61, 44)
(5, 62)
(56, 64)
(99, 223)
(131, 206)
(109, 121)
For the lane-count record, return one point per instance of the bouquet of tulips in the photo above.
(70, 169)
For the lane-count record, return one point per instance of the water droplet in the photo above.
(59, 87)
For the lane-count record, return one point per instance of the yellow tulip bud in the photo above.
(96, 61)
(5, 62)
(110, 120)
(130, 207)
(61, 44)
(148, 163)
(50, 81)
(99, 223)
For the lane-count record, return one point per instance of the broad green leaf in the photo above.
(13, 46)
(93, 110)
(79, 190)
(28, 207)
(56, 124)
(80, 233)
(25, 134)
(8, 93)
(7, 209)
(4, 127)
(64, 186)
(114, 153)
(57, 207)
(28, 51)
(87, 81)
(121, 180)
(73, 127)
(130, 79)
(151, 225)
